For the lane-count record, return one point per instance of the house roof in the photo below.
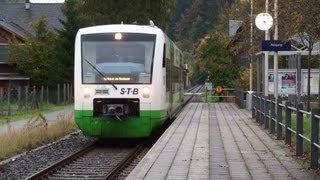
(13, 28)
(17, 16)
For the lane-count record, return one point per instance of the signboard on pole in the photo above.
(275, 45)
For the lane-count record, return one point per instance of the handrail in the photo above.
(270, 113)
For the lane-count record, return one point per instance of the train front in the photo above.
(113, 83)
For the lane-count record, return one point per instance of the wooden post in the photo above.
(19, 95)
(299, 130)
(279, 118)
(42, 94)
(58, 93)
(253, 108)
(71, 96)
(266, 112)
(258, 108)
(34, 96)
(47, 93)
(288, 123)
(273, 116)
(314, 139)
(263, 110)
(8, 98)
(26, 96)
(1, 93)
(206, 95)
(68, 92)
(64, 93)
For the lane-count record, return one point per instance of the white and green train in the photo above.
(128, 80)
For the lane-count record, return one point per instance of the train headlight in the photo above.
(146, 92)
(118, 36)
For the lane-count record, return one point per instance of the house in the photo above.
(15, 21)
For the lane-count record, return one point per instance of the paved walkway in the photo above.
(50, 116)
(216, 141)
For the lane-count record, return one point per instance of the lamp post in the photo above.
(266, 58)
(276, 55)
(251, 43)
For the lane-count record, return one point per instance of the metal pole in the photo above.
(266, 58)
(299, 85)
(251, 42)
(276, 55)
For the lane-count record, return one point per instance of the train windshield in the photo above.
(117, 58)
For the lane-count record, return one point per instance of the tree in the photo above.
(65, 43)
(36, 57)
(217, 60)
(196, 22)
(300, 18)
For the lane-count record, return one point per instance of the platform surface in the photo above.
(217, 141)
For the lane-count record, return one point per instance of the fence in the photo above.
(14, 100)
(270, 114)
(240, 98)
(227, 95)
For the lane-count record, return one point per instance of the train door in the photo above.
(169, 88)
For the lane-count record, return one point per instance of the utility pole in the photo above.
(276, 55)
(251, 43)
(266, 58)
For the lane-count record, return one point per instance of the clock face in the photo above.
(264, 21)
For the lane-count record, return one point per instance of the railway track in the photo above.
(99, 161)
(95, 161)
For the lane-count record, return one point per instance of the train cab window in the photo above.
(127, 60)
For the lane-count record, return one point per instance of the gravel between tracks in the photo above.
(28, 163)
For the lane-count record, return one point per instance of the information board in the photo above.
(287, 81)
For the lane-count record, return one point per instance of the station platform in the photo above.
(217, 141)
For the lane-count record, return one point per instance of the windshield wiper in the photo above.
(100, 73)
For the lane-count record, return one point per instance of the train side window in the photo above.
(164, 56)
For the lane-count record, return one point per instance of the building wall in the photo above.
(5, 69)
(5, 36)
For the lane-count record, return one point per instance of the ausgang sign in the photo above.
(276, 46)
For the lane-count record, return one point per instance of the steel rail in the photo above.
(84, 150)
(62, 162)
(128, 159)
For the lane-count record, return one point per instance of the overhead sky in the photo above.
(46, 1)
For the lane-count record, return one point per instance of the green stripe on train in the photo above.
(131, 127)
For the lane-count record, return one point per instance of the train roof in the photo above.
(121, 28)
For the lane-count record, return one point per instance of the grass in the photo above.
(30, 113)
(209, 97)
(306, 131)
(35, 133)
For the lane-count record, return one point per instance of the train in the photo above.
(128, 80)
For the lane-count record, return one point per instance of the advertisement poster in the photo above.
(314, 81)
(287, 82)
(271, 82)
